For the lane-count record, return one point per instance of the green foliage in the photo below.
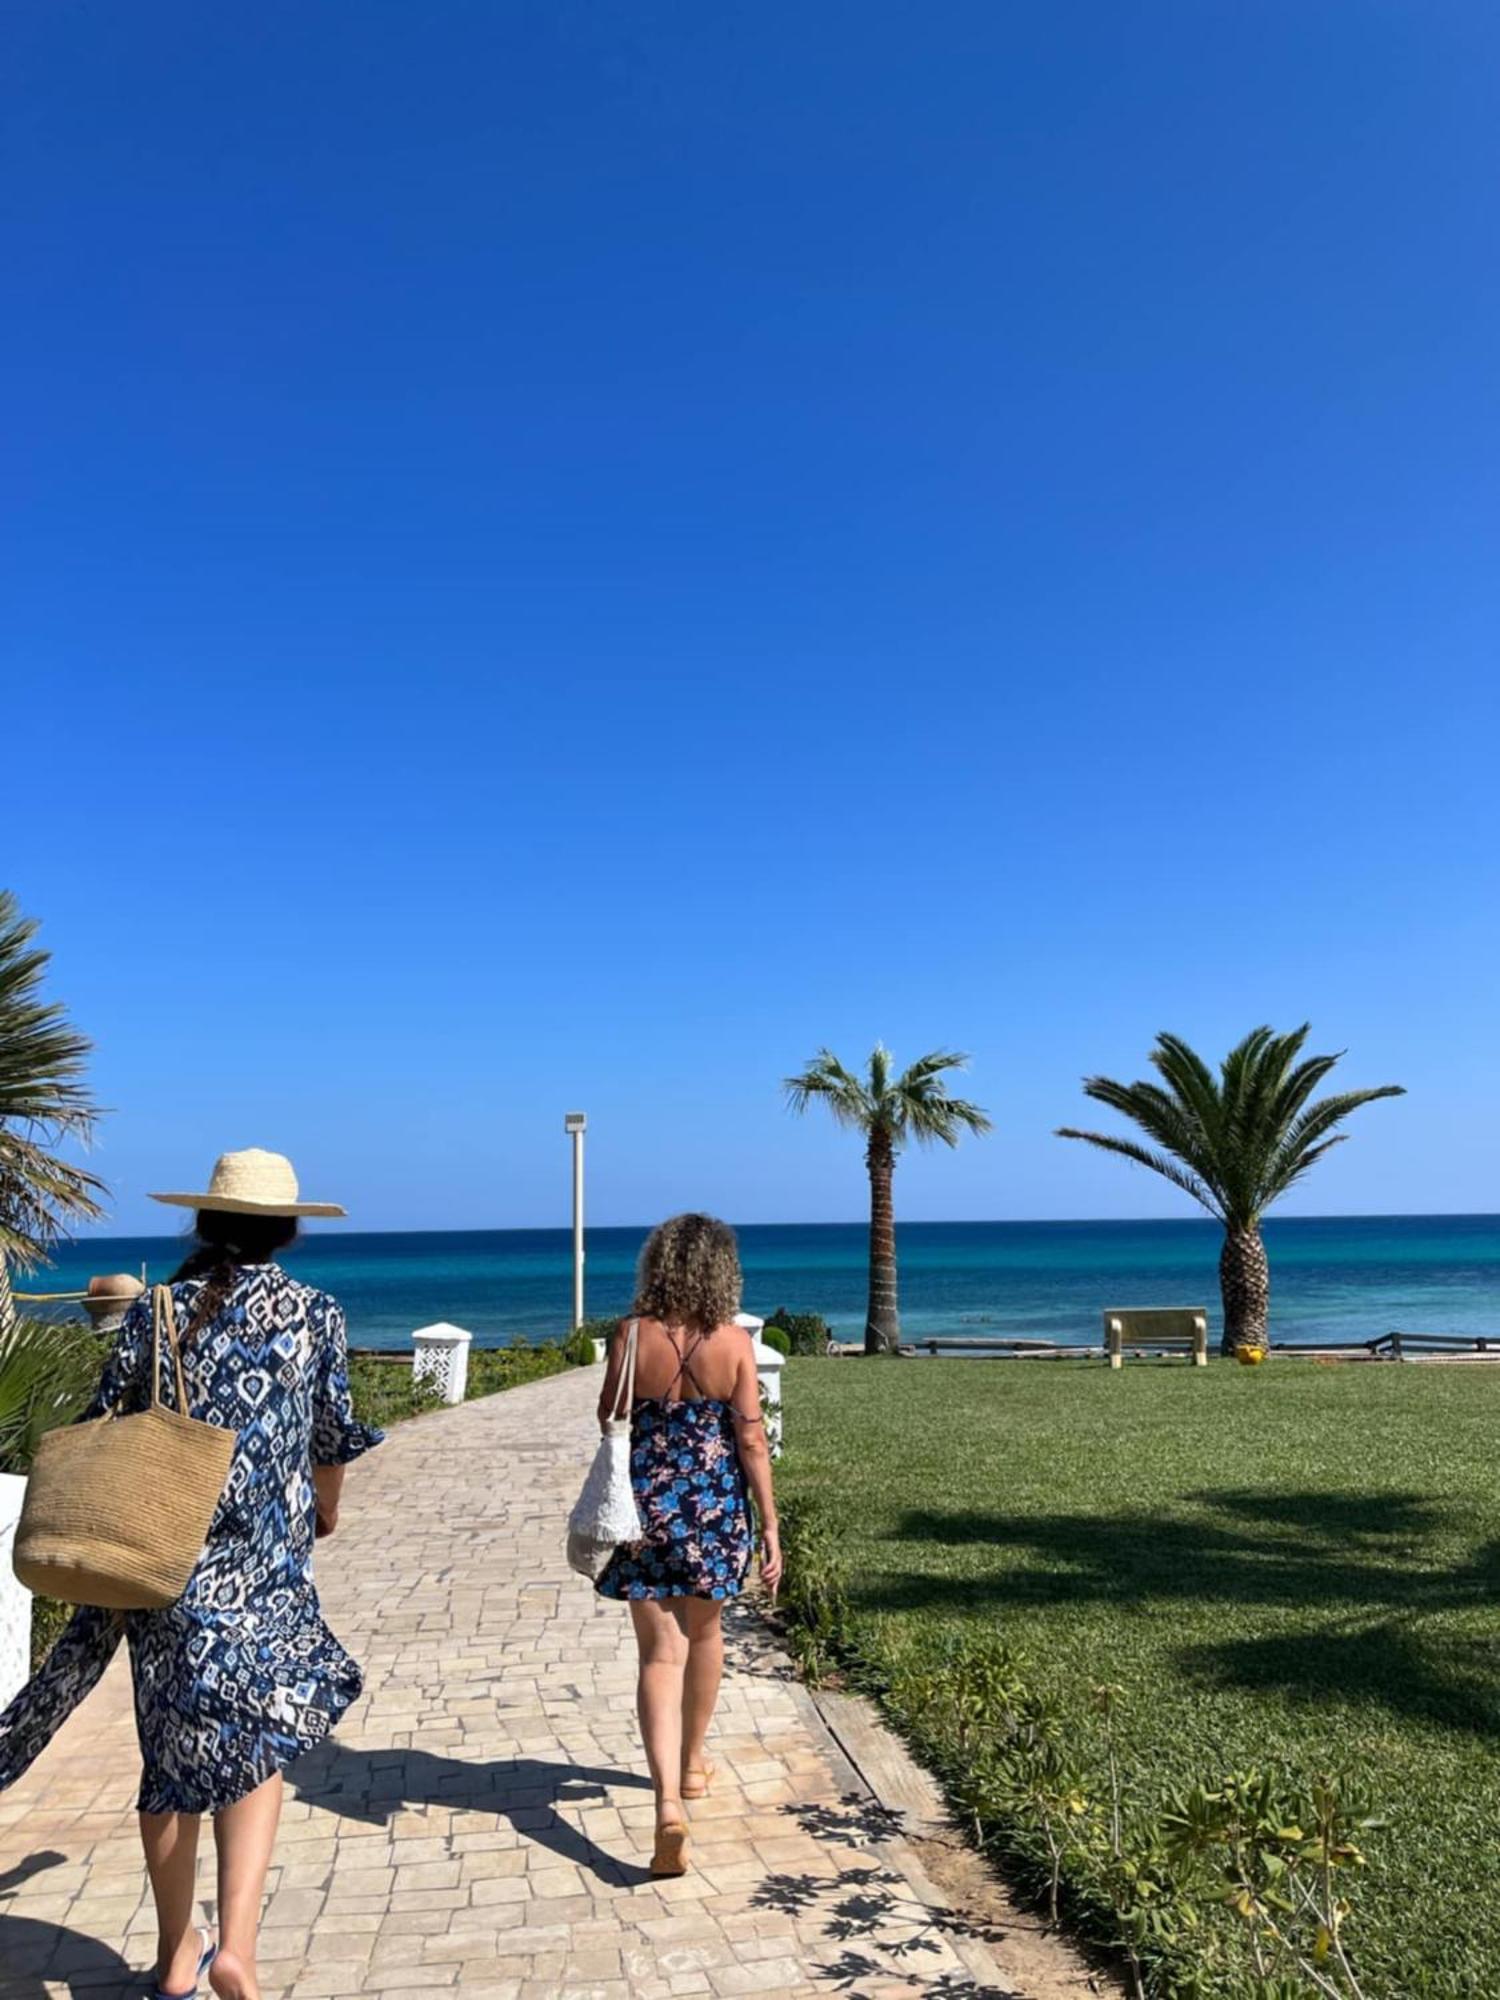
(777, 1339)
(578, 1348)
(1238, 1140)
(1234, 1888)
(807, 1333)
(49, 1369)
(385, 1392)
(43, 1101)
(814, 1599)
(48, 1618)
(1289, 1577)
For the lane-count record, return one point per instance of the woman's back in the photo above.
(681, 1364)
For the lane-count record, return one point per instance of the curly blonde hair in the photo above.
(689, 1273)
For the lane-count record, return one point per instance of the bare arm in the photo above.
(614, 1364)
(328, 1487)
(755, 1460)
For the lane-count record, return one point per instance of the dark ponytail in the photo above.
(222, 1243)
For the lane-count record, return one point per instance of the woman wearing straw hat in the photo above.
(240, 1675)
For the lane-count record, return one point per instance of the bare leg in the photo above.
(245, 1834)
(705, 1670)
(663, 1645)
(171, 1844)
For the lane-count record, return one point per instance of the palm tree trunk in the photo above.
(883, 1319)
(1245, 1286)
(7, 1303)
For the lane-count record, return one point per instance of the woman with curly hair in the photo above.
(698, 1455)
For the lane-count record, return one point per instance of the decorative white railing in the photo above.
(15, 1600)
(441, 1358)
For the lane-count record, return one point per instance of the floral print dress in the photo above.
(690, 1489)
(241, 1674)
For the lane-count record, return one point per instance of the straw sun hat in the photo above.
(252, 1183)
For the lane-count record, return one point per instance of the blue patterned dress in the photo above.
(240, 1675)
(690, 1490)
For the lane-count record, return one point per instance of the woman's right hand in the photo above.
(770, 1558)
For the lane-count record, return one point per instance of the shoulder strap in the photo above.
(625, 1397)
(164, 1313)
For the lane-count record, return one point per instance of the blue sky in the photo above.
(561, 555)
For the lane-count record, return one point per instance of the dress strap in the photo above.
(685, 1368)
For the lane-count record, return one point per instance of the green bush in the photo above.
(578, 1348)
(778, 1338)
(808, 1333)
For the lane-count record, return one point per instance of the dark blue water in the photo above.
(1337, 1278)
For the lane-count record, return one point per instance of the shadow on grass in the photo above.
(1358, 1559)
(373, 1786)
(36, 1958)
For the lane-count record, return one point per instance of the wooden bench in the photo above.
(1159, 1329)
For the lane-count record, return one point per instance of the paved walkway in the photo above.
(482, 1821)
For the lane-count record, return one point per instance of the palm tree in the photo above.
(43, 1100)
(889, 1110)
(1235, 1143)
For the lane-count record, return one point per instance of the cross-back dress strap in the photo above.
(685, 1368)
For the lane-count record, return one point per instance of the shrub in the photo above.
(778, 1338)
(578, 1348)
(814, 1600)
(808, 1333)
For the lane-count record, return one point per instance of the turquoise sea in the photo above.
(1333, 1278)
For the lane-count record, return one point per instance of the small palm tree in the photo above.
(1235, 1143)
(889, 1110)
(43, 1100)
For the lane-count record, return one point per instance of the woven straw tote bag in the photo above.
(117, 1511)
(606, 1514)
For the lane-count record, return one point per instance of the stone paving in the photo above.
(483, 1819)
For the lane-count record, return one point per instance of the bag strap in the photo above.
(164, 1312)
(625, 1396)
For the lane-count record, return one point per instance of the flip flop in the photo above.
(210, 1952)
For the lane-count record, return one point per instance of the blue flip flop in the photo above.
(210, 1953)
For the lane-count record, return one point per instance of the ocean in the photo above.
(1332, 1278)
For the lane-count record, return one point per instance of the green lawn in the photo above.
(1298, 1563)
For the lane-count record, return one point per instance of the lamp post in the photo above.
(575, 1123)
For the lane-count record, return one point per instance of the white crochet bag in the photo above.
(606, 1514)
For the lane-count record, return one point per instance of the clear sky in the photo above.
(566, 555)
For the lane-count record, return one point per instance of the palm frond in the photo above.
(44, 1099)
(826, 1081)
(1143, 1156)
(1237, 1141)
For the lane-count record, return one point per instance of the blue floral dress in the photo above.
(690, 1489)
(241, 1675)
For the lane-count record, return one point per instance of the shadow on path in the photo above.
(34, 1954)
(374, 1785)
(861, 1898)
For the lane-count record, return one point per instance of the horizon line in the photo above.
(334, 1233)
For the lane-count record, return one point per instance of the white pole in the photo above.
(576, 1123)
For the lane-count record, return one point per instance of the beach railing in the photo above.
(1396, 1344)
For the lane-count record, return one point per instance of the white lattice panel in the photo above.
(15, 1603)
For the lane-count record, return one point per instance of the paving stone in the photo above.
(483, 1822)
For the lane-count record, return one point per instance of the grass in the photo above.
(1298, 1564)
